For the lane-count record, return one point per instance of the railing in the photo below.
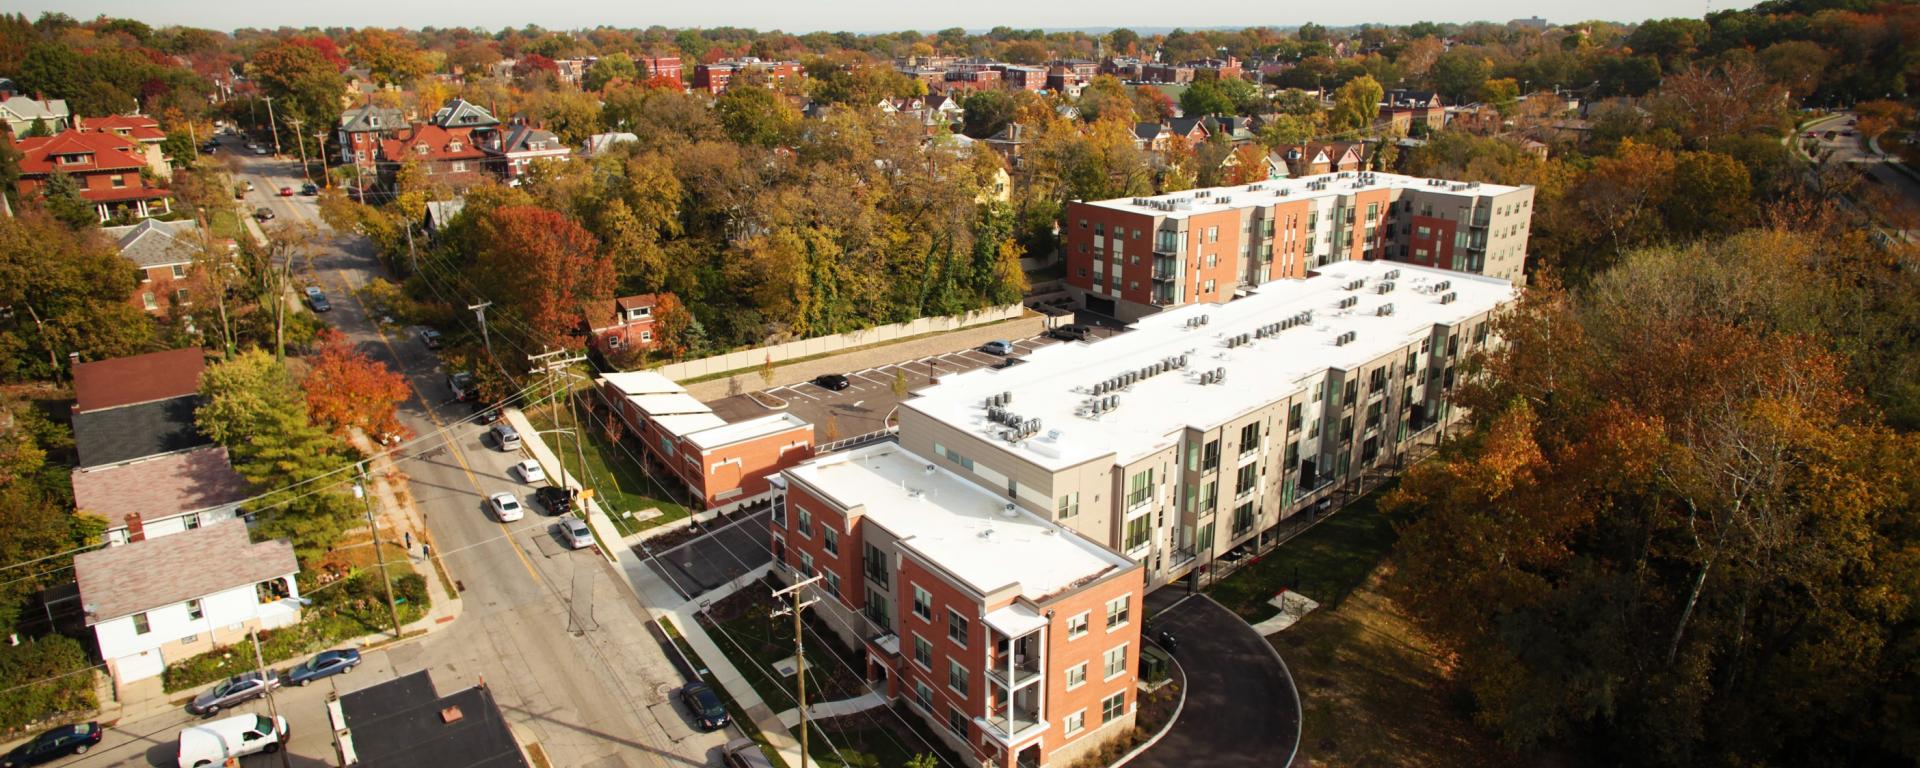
(1023, 672)
(1011, 727)
(855, 441)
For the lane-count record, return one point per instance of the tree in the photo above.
(987, 112)
(1205, 97)
(543, 270)
(757, 117)
(1459, 74)
(35, 499)
(1733, 98)
(677, 334)
(347, 389)
(68, 293)
(390, 58)
(61, 196)
(252, 405)
(1879, 116)
(617, 66)
(1355, 105)
(1502, 94)
(1285, 129)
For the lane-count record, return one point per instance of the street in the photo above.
(552, 631)
(1847, 147)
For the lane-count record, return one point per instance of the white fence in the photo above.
(793, 350)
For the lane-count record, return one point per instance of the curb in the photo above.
(1178, 707)
(1300, 715)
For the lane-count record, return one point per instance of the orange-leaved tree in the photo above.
(543, 269)
(345, 388)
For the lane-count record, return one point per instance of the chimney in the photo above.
(136, 530)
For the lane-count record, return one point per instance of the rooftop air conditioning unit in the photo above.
(1385, 310)
(1386, 287)
(1392, 274)
(1448, 298)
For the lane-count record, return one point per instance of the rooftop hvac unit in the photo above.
(1392, 274)
(1385, 287)
(1349, 302)
(1226, 199)
(1443, 285)
(1386, 310)
(1219, 375)
(1449, 298)
(1006, 397)
(1283, 192)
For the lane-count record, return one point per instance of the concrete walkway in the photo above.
(791, 717)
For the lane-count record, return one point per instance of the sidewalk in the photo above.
(825, 709)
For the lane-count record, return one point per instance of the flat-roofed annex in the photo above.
(957, 525)
(1058, 382)
(1178, 205)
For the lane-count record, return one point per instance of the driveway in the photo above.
(709, 562)
(1241, 706)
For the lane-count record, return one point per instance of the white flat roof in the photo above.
(1263, 193)
(683, 424)
(643, 383)
(668, 404)
(962, 527)
(771, 424)
(1057, 380)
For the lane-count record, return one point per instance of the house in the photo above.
(1011, 142)
(1023, 78)
(1477, 119)
(625, 323)
(722, 465)
(599, 143)
(664, 67)
(1402, 108)
(22, 112)
(515, 148)
(105, 166)
(168, 598)
(161, 495)
(1313, 159)
(139, 129)
(361, 131)
(440, 213)
(1152, 137)
(448, 155)
(163, 255)
(129, 408)
(405, 721)
(1237, 130)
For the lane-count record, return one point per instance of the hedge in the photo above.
(339, 613)
(43, 679)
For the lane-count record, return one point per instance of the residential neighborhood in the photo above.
(596, 386)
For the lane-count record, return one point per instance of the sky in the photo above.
(800, 16)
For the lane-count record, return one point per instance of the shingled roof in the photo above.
(159, 487)
(135, 379)
(158, 572)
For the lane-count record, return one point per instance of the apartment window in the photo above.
(1293, 454)
(195, 611)
(1352, 393)
(957, 721)
(1076, 675)
(1114, 663)
(925, 693)
(832, 580)
(1373, 210)
(922, 604)
(956, 677)
(806, 523)
(1249, 438)
(1074, 723)
(953, 456)
(1213, 234)
(876, 610)
(878, 574)
(1293, 417)
(1248, 477)
(1069, 506)
(1114, 706)
(956, 627)
(1077, 627)
(923, 653)
(830, 541)
(806, 563)
(1210, 456)
(1139, 488)
(1099, 228)
(1204, 541)
(780, 510)
(1138, 529)
(1117, 612)
(1242, 519)
(140, 625)
(179, 271)
(1209, 495)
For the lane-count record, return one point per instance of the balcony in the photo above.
(1011, 729)
(1024, 669)
(1164, 269)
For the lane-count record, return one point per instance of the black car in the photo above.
(462, 386)
(557, 501)
(832, 381)
(1073, 332)
(65, 740)
(309, 189)
(705, 706)
(262, 214)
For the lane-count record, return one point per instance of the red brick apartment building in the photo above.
(1132, 257)
(1017, 639)
(105, 165)
(713, 78)
(450, 146)
(721, 465)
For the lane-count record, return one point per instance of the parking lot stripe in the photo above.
(797, 391)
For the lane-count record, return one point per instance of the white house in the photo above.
(164, 599)
(155, 496)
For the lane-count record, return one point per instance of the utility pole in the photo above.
(273, 126)
(273, 709)
(320, 148)
(301, 145)
(480, 311)
(553, 364)
(365, 492)
(792, 595)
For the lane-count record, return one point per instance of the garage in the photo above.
(1100, 305)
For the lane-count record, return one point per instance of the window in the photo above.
(1138, 530)
(1204, 542)
(925, 693)
(956, 627)
(957, 721)
(140, 625)
(922, 604)
(1242, 519)
(1293, 418)
(180, 297)
(923, 653)
(179, 271)
(1069, 506)
(119, 181)
(1139, 488)
(830, 541)
(1117, 612)
(806, 523)
(459, 167)
(1249, 438)
(1114, 662)
(1248, 478)
(147, 300)
(1114, 706)
(1210, 456)
(806, 563)
(1077, 627)
(1209, 495)
(1213, 234)
(878, 574)
(613, 341)
(780, 510)
(956, 677)
(193, 522)
(194, 610)
(646, 335)
(953, 456)
(1076, 675)
(876, 610)
(1074, 723)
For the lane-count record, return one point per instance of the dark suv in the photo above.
(1074, 332)
(832, 381)
(705, 706)
(557, 501)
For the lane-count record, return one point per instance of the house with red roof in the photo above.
(140, 129)
(516, 147)
(105, 165)
(450, 146)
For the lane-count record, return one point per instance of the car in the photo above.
(286, 191)
(309, 189)
(1812, 134)
(486, 414)
(745, 753)
(705, 706)
(832, 381)
(232, 691)
(1846, 133)
(557, 501)
(462, 386)
(999, 347)
(262, 214)
(65, 740)
(252, 146)
(1008, 363)
(530, 471)
(574, 532)
(317, 299)
(505, 437)
(1828, 134)
(208, 149)
(262, 151)
(323, 664)
(430, 338)
(1072, 332)
(218, 742)
(506, 507)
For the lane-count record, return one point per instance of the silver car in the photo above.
(232, 691)
(574, 532)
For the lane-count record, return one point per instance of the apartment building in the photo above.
(721, 465)
(1015, 637)
(713, 78)
(1132, 257)
(1206, 425)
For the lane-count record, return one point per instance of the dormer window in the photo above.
(420, 148)
(454, 147)
(73, 159)
(373, 121)
(639, 313)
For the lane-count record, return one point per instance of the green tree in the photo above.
(757, 117)
(616, 66)
(61, 196)
(1502, 94)
(987, 112)
(254, 406)
(1355, 105)
(1205, 97)
(68, 292)
(1460, 73)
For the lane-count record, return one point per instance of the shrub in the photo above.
(351, 609)
(43, 679)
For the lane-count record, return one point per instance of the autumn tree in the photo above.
(1879, 116)
(756, 116)
(347, 389)
(68, 293)
(1355, 105)
(542, 269)
(252, 405)
(610, 68)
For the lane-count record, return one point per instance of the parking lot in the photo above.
(869, 398)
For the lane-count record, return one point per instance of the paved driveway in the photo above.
(1241, 708)
(709, 562)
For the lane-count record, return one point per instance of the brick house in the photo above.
(626, 323)
(714, 78)
(106, 166)
(514, 149)
(659, 66)
(361, 132)
(449, 145)
(139, 129)
(721, 465)
(163, 255)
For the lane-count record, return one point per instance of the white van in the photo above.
(214, 743)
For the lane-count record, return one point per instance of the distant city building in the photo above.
(714, 78)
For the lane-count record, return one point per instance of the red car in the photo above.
(286, 191)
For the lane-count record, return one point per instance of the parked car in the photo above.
(430, 338)
(65, 740)
(557, 501)
(999, 347)
(317, 299)
(832, 381)
(506, 437)
(745, 753)
(1072, 332)
(262, 214)
(462, 386)
(574, 532)
(262, 151)
(209, 148)
(217, 742)
(232, 691)
(1008, 363)
(506, 507)
(309, 189)
(323, 664)
(530, 471)
(252, 146)
(487, 414)
(705, 706)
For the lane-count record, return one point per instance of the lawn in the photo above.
(877, 738)
(1325, 563)
(614, 474)
(739, 713)
(741, 624)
